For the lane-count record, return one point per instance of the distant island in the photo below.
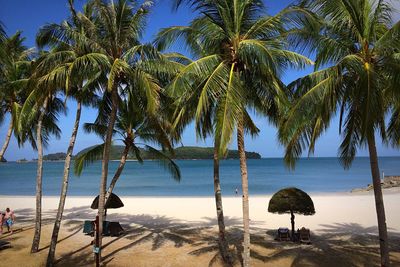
(184, 152)
(187, 152)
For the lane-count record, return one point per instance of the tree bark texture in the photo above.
(64, 188)
(118, 172)
(245, 197)
(38, 216)
(104, 169)
(380, 209)
(7, 141)
(222, 242)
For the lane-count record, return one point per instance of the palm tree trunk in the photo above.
(7, 141)
(38, 218)
(104, 170)
(222, 242)
(64, 188)
(245, 197)
(118, 172)
(380, 209)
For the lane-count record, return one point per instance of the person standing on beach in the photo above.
(236, 191)
(9, 219)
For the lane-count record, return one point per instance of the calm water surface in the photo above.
(265, 177)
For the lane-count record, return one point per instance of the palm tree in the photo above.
(39, 112)
(133, 126)
(29, 107)
(78, 83)
(359, 43)
(15, 71)
(240, 55)
(112, 32)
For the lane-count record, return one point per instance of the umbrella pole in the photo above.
(96, 253)
(292, 222)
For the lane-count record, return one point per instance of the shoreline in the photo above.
(386, 191)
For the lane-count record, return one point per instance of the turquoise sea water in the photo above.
(265, 177)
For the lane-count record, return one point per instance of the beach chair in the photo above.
(283, 234)
(115, 229)
(88, 228)
(304, 235)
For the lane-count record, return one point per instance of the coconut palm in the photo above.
(15, 65)
(133, 127)
(240, 56)
(112, 31)
(40, 112)
(78, 83)
(359, 43)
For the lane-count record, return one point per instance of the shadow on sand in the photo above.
(333, 245)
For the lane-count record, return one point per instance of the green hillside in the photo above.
(55, 156)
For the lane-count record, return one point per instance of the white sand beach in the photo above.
(169, 231)
(331, 209)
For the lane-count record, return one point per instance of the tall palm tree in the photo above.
(240, 55)
(79, 84)
(133, 127)
(15, 65)
(361, 46)
(40, 112)
(113, 30)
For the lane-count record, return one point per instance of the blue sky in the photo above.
(29, 16)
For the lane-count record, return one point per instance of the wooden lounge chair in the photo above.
(283, 234)
(88, 228)
(304, 235)
(115, 229)
(109, 228)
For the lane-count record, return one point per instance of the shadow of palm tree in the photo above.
(337, 244)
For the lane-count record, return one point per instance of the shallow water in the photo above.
(266, 176)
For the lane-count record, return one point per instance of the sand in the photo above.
(181, 231)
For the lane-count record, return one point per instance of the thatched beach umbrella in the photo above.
(113, 202)
(291, 200)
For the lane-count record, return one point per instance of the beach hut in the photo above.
(291, 200)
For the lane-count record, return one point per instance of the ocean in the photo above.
(266, 176)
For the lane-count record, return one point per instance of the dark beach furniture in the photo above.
(88, 228)
(115, 229)
(304, 236)
(109, 228)
(283, 234)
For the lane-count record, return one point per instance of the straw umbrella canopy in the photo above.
(291, 200)
(113, 202)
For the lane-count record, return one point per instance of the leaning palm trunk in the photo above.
(245, 190)
(64, 188)
(118, 172)
(222, 242)
(104, 170)
(38, 218)
(7, 141)
(380, 209)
